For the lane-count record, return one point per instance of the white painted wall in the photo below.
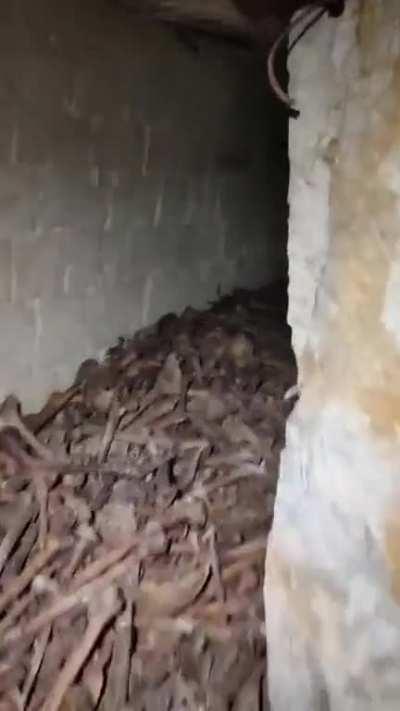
(136, 177)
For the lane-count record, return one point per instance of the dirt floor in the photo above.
(134, 512)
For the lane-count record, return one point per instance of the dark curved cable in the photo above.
(316, 11)
(307, 27)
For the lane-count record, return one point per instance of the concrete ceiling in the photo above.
(259, 20)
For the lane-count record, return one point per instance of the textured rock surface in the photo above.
(136, 176)
(333, 566)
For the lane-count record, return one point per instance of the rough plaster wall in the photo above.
(333, 565)
(136, 177)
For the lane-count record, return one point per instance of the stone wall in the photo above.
(136, 177)
(333, 566)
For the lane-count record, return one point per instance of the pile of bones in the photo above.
(134, 513)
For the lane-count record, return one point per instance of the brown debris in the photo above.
(134, 512)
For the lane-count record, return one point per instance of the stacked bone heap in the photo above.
(134, 513)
